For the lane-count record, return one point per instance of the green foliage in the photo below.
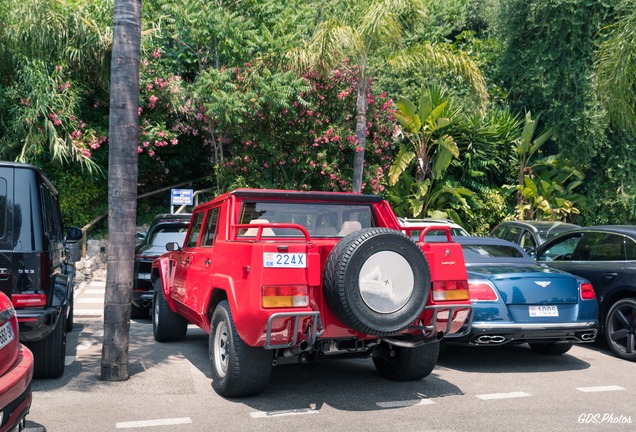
(484, 144)
(547, 66)
(616, 68)
(281, 130)
(80, 200)
(419, 176)
(548, 191)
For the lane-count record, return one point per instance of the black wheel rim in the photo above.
(622, 329)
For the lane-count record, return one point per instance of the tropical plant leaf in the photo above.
(447, 142)
(401, 163)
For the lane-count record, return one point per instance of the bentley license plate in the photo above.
(543, 311)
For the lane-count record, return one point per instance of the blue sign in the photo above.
(181, 197)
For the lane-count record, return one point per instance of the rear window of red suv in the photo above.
(320, 219)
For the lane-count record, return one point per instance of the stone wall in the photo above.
(94, 263)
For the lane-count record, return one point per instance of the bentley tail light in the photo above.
(587, 291)
(481, 290)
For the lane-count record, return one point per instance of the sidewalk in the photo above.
(89, 297)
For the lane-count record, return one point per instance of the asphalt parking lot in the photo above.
(169, 389)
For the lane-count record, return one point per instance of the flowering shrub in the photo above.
(307, 143)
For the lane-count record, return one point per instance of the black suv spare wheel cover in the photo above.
(377, 281)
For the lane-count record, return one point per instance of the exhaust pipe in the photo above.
(588, 336)
(490, 339)
(289, 352)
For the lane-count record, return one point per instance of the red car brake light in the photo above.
(450, 290)
(481, 291)
(28, 300)
(285, 296)
(587, 291)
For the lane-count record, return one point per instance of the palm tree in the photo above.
(377, 28)
(122, 187)
(616, 70)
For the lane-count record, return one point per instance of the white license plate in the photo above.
(285, 260)
(6, 334)
(543, 311)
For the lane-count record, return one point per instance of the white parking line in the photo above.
(90, 300)
(264, 414)
(93, 291)
(405, 403)
(88, 312)
(492, 396)
(86, 344)
(68, 360)
(151, 423)
(599, 389)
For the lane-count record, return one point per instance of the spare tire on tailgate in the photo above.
(377, 281)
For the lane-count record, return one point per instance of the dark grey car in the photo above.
(530, 234)
(165, 228)
(606, 256)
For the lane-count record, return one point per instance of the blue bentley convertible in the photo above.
(517, 301)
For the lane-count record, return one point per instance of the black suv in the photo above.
(165, 228)
(35, 268)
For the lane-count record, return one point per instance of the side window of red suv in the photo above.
(193, 235)
(209, 232)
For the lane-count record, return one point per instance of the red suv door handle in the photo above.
(207, 262)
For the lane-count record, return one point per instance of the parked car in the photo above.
(36, 269)
(515, 300)
(606, 256)
(16, 370)
(455, 229)
(165, 228)
(272, 274)
(530, 234)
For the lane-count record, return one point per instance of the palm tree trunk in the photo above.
(122, 187)
(362, 105)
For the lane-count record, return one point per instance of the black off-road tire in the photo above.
(167, 326)
(394, 274)
(70, 273)
(408, 364)
(49, 354)
(620, 328)
(237, 369)
(551, 348)
(69, 319)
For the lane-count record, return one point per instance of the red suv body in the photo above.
(317, 275)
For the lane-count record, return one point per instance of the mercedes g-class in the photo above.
(35, 267)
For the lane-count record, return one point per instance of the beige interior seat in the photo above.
(252, 232)
(348, 227)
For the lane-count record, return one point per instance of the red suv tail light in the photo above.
(481, 290)
(28, 300)
(587, 291)
(450, 290)
(279, 296)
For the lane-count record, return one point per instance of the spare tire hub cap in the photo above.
(386, 282)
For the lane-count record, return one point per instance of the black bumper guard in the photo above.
(430, 333)
(314, 331)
